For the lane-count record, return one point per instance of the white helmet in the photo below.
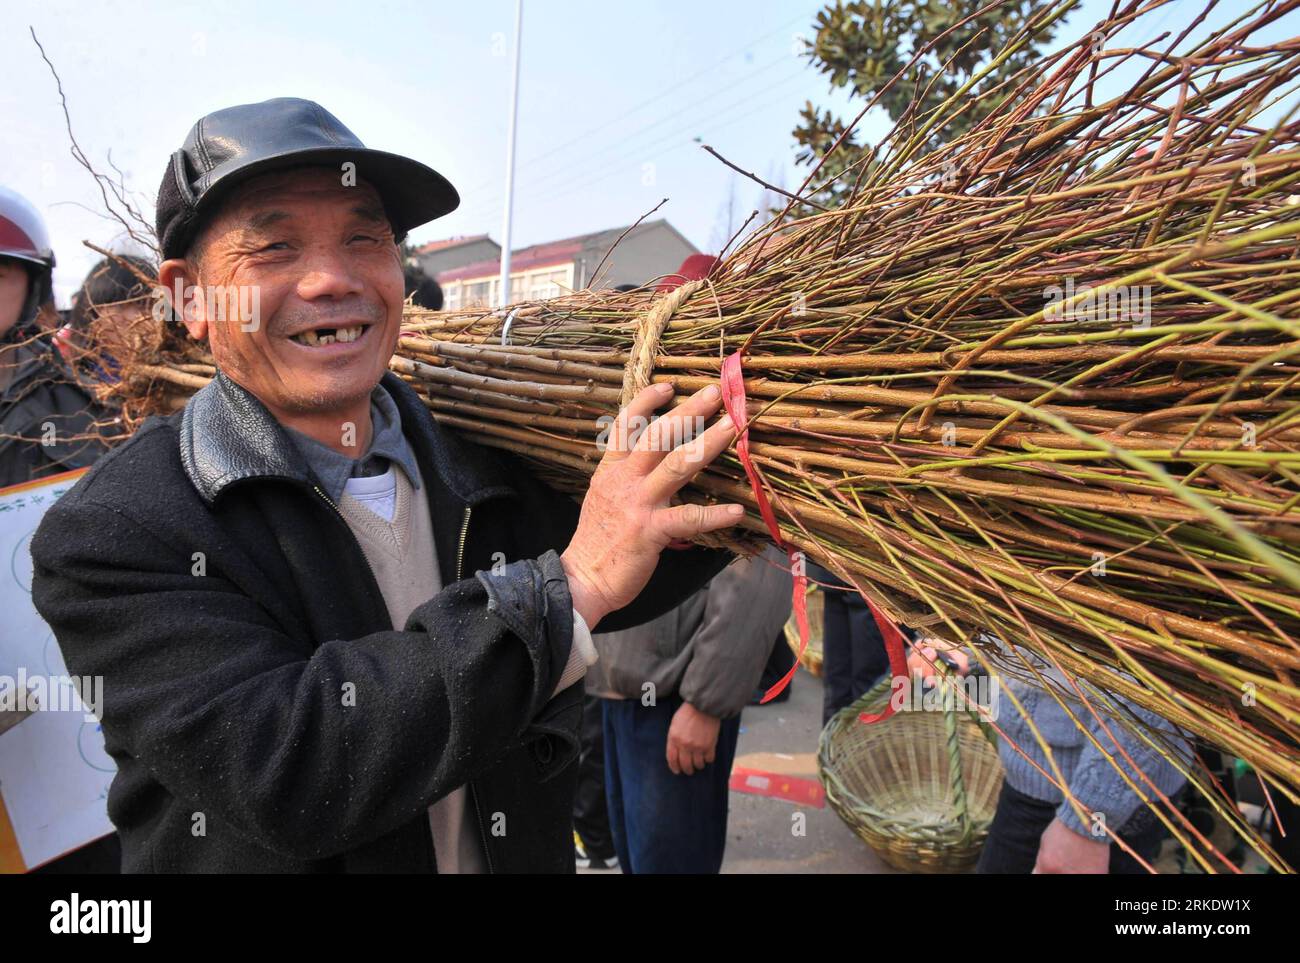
(23, 237)
(22, 230)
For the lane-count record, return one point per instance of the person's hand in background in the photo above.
(692, 740)
(924, 655)
(1062, 850)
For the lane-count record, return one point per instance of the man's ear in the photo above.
(178, 278)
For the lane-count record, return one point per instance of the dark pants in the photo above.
(853, 653)
(1019, 823)
(590, 815)
(663, 823)
(1288, 846)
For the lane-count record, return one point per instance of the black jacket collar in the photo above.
(227, 435)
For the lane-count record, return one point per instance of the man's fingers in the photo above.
(673, 762)
(687, 760)
(687, 521)
(676, 427)
(632, 419)
(684, 463)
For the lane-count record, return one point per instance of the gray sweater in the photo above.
(1087, 770)
(711, 649)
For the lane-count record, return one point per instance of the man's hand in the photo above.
(692, 740)
(925, 654)
(1062, 850)
(626, 518)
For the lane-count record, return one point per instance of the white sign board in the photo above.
(54, 773)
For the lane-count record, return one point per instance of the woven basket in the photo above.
(812, 656)
(919, 787)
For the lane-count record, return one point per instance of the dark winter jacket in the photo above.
(42, 412)
(264, 713)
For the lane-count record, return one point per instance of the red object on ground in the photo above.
(778, 786)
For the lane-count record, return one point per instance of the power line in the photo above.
(645, 103)
(576, 180)
(629, 145)
(551, 198)
(623, 150)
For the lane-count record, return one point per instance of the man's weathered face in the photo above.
(319, 262)
(13, 293)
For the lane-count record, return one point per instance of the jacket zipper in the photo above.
(460, 546)
(328, 501)
(364, 561)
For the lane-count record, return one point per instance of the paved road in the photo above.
(760, 831)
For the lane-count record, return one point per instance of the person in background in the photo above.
(672, 691)
(1035, 828)
(37, 389)
(48, 422)
(853, 652)
(427, 291)
(115, 297)
(593, 839)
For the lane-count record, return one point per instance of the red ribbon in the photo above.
(733, 398)
(894, 646)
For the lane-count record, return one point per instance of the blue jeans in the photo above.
(661, 822)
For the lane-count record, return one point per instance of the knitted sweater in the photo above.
(1087, 769)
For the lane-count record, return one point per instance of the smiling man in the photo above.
(333, 636)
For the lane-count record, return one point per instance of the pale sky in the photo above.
(612, 98)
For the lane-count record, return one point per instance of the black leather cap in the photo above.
(229, 146)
